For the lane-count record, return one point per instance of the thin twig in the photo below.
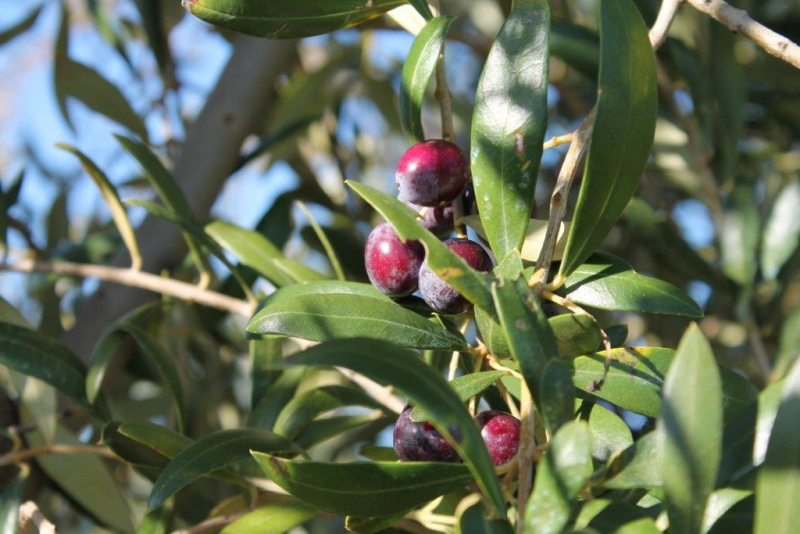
(660, 29)
(558, 200)
(558, 141)
(525, 456)
(142, 280)
(21, 456)
(29, 513)
(738, 21)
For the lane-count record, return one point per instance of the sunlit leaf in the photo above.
(508, 124)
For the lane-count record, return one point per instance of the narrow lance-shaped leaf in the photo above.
(782, 231)
(561, 475)
(690, 431)
(168, 191)
(334, 316)
(305, 407)
(33, 354)
(417, 72)
(111, 197)
(76, 80)
(211, 453)
(21, 27)
(364, 488)
(509, 124)
(254, 250)
(609, 283)
(623, 130)
(533, 345)
(443, 261)
(778, 481)
(274, 518)
(387, 363)
(288, 20)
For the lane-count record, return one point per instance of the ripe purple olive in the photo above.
(420, 442)
(440, 295)
(392, 264)
(438, 221)
(432, 173)
(500, 432)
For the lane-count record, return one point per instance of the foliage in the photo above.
(654, 366)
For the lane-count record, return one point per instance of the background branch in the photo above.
(136, 279)
(740, 22)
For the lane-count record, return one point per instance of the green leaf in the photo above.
(739, 235)
(608, 283)
(34, 354)
(108, 347)
(788, 343)
(144, 443)
(534, 237)
(254, 250)
(306, 407)
(533, 345)
(274, 518)
(443, 261)
(564, 469)
(86, 479)
(417, 71)
(638, 466)
(728, 84)
(18, 29)
(471, 518)
(364, 488)
(265, 353)
(576, 46)
(332, 316)
(387, 363)
(168, 191)
(778, 481)
(76, 80)
(322, 429)
(213, 452)
(466, 387)
(422, 8)
(636, 377)
(610, 434)
(9, 505)
(111, 197)
(782, 231)
(745, 438)
(327, 287)
(509, 123)
(278, 20)
(623, 129)
(720, 502)
(266, 412)
(690, 431)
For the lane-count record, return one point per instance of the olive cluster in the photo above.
(430, 176)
